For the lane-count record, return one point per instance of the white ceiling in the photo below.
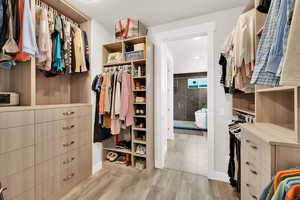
(151, 12)
(190, 55)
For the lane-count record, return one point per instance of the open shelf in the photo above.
(127, 151)
(276, 89)
(246, 111)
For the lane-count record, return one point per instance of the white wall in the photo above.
(99, 36)
(225, 21)
(190, 56)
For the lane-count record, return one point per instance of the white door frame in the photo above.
(160, 40)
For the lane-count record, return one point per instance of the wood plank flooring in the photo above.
(121, 183)
(188, 152)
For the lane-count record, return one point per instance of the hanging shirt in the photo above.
(260, 76)
(29, 41)
(21, 56)
(44, 59)
(278, 47)
(126, 112)
(67, 47)
(78, 51)
(244, 39)
(291, 72)
(108, 93)
(57, 57)
(102, 94)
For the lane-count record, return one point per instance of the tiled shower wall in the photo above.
(187, 101)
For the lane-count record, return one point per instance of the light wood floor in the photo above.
(188, 152)
(120, 183)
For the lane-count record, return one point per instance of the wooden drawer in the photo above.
(85, 111)
(56, 129)
(16, 161)
(16, 119)
(16, 138)
(253, 145)
(56, 114)
(18, 184)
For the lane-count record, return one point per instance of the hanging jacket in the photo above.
(3, 22)
(87, 50)
(79, 64)
(29, 40)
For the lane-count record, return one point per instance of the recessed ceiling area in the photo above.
(190, 55)
(150, 12)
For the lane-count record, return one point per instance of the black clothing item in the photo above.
(264, 6)
(16, 20)
(87, 50)
(100, 133)
(223, 63)
(235, 149)
(4, 27)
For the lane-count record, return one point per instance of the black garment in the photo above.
(231, 164)
(100, 133)
(264, 6)
(235, 149)
(223, 63)
(4, 27)
(16, 20)
(87, 50)
(298, 198)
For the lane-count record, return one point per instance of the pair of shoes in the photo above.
(141, 125)
(112, 156)
(140, 164)
(140, 112)
(124, 145)
(140, 149)
(121, 160)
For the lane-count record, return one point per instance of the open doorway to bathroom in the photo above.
(188, 148)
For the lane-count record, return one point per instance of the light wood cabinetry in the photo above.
(46, 151)
(45, 143)
(141, 133)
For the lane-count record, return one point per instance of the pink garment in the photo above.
(115, 126)
(126, 112)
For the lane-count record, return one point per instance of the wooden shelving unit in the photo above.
(244, 103)
(146, 79)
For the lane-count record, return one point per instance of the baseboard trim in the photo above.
(97, 167)
(219, 176)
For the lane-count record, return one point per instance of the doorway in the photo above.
(187, 150)
(162, 106)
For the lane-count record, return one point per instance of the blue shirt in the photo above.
(279, 46)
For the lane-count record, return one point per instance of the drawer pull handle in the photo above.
(69, 144)
(248, 185)
(69, 177)
(253, 172)
(68, 161)
(68, 113)
(68, 127)
(253, 196)
(248, 141)
(247, 163)
(254, 147)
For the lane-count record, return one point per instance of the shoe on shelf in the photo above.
(112, 156)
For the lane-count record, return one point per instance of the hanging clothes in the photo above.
(103, 93)
(108, 92)
(67, 47)
(115, 121)
(290, 73)
(87, 50)
(21, 56)
(16, 20)
(44, 59)
(79, 58)
(100, 133)
(126, 112)
(10, 45)
(29, 41)
(260, 76)
(3, 22)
